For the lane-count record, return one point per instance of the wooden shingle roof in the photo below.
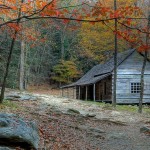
(101, 71)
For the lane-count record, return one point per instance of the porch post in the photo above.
(62, 92)
(86, 93)
(100, 91)
(79, 93)
(67, 93)
(73, 92)
(94, 92)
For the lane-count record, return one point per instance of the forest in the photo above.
(48, 49)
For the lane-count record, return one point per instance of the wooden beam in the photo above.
(99, 90)
(86, 93)
(79, 93)
(67, 93)
(94, 92)
(62, 92)
(73, 92)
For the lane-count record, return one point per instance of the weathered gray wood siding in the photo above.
(128, 72)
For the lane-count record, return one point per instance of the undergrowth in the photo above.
(9, 104)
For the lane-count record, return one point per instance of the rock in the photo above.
(117, 135)
(73, 111)
(112, 121)
(17, 97)
(14, 95)
(28, 97)
(25, 97)
(65, 102)
(145, 129)
(16, 132)
(97, 130)
(6, 148)
(90, 129)
(90, 115)
(11, 98)
(80, 119)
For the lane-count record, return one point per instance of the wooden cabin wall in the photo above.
(104, 89)
(69, 92)
(130, 72)
(77, 92)
(83, 92)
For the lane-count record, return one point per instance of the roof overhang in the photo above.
(89, 82)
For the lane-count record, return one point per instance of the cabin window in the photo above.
(135, 87)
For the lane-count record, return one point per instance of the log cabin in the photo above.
(97, 83)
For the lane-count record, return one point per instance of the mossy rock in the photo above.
(74, 111)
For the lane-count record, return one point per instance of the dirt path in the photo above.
(120, 130)
(68, 124)
(63, 104)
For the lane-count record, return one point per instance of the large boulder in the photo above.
(17, 96)
(15, 132)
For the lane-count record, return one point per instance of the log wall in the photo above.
(130, 72)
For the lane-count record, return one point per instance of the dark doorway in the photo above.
(90, 92)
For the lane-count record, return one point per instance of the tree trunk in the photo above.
(115, 60)
(63, 37)
(62, 45)
(143, 68)
(9, 60)
(7, 68)
(142, 83)
(22, 67)
(22, 60)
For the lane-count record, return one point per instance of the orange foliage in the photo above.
(102, 11)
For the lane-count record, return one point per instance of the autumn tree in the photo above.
(146, 49)
(65, 72)
(97, 42)
(16, 12)
(12, 13)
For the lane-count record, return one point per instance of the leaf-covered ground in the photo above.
(100, 128)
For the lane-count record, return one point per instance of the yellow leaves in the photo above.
(96, 39)
(40, 4)
(125, 8)
(65, 71)
(43, 4)
(24, 8)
